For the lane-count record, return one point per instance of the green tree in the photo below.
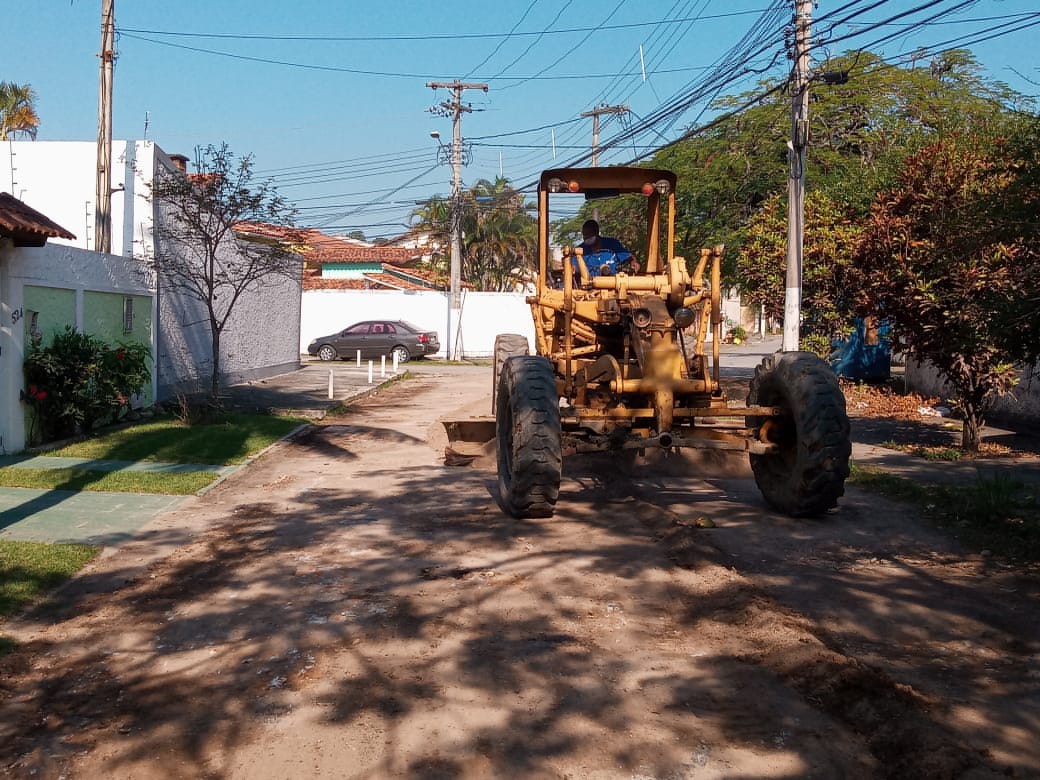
(950, 258)
(498, 233)
(17, 110)
(860, 133)
(197, 253)
(828, 277)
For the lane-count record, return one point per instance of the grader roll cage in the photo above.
(615, 371)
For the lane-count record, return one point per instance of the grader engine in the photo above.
(621, 366)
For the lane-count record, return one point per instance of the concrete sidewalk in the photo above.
(93, 517)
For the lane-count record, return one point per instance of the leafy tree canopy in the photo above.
(498, 233)
(951, 257)
(860, 133)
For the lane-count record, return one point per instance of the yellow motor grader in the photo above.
(622, 365)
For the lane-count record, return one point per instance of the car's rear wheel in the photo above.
(327, 352)
(401, 353)
(527, 427)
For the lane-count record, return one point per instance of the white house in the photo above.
(58, 179)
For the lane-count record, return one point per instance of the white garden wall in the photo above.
(483, 315)
(57, 267)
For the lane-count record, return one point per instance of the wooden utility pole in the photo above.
(595, 114)
(103, 202)
(796, 177)
(455, 108)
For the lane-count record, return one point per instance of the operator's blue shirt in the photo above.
(611, 253)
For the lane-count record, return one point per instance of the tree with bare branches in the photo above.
(198, 254)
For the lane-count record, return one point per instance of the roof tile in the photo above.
(26, 225)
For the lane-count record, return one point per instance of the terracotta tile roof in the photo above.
(26, 225)
(317, 247)
(400, 269)
(312, 280)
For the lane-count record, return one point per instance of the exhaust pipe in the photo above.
(665, 440)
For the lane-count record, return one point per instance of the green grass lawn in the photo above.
(170, 483)
(30, 569)
(230, 440)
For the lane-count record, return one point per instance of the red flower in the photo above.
(32, 390)
(41, 395)
(120, 353)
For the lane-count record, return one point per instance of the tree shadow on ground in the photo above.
(420, 604)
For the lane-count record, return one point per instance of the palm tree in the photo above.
(500, 235)
(17, 113)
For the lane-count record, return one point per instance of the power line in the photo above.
(389, 74)
(422, 36)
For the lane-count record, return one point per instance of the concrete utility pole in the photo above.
(455, 109)
(595, 114)
(103, 203)
(796, 178)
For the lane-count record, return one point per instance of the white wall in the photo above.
(483, 315)
(1023, 403)
(50, 266)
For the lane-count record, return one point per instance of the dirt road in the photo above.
(350, 607)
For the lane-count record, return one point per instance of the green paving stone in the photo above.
(68, 516)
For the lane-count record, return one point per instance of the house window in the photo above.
(128, 315)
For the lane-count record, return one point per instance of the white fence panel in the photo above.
(483, 315)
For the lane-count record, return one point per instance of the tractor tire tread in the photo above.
(809, 479)
(530, 456)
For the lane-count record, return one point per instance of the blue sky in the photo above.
(342, 123)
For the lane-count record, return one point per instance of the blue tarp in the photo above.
(853, 358)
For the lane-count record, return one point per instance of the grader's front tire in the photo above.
(807, 476)
(507, 345)
(527, 428)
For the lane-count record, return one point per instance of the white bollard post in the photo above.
(382, 366)
(331, 392)
(359, 358)
(370, 372)
(395, 362)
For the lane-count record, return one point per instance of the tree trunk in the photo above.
(214, 385)
(971, 428)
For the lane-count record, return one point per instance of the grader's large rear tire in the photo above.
(527, 428)
(507, 345)
(807, 476)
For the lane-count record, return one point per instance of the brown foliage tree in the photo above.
(947, 258)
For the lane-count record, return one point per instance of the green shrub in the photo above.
(78, 382)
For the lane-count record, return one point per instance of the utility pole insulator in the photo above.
(595, 114)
